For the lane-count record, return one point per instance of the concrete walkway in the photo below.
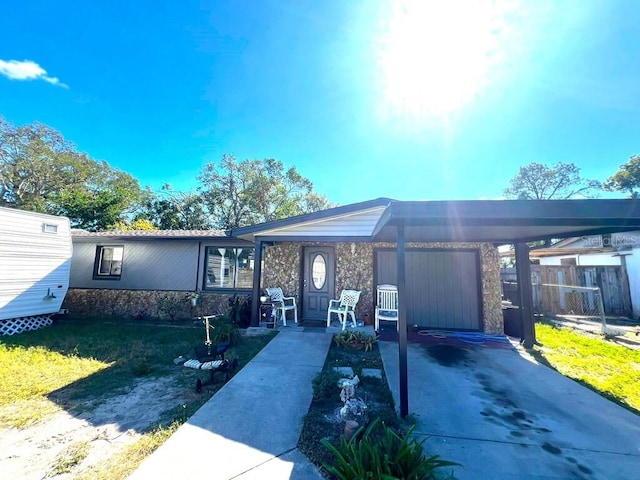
(503, 415)
(250, 428)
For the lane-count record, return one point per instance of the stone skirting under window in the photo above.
(145, 304)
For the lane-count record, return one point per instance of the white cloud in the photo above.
(27, 70)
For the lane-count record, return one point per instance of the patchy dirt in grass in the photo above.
(120, 420)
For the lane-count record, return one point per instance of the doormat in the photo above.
(306, 329)
(445, 337)
(313, 323)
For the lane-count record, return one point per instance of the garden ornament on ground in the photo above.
(354, 408)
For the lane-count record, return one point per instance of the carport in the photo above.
(499, 222)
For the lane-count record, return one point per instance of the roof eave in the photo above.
(255, 230)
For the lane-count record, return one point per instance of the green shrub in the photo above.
(379, 452)
(239, 311)
(355, 340)
(223, 330)
(325, 385)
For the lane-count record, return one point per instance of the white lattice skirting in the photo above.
(23, 324)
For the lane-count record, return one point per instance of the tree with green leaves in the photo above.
(105, 198)
(561, 181)
(172, 210)
(137, 224)
(43, 172)
(626, 179)
(35, 161)
(254, 191)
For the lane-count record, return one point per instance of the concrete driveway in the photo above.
(502, 415)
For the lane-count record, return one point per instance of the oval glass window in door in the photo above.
(319, 271)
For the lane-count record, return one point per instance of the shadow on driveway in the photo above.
(503, 415)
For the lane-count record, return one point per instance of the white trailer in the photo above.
(35, 261)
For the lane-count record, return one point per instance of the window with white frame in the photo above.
(109, 261)
(229, 268)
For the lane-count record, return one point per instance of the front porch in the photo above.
(455, 285)
(317, 326)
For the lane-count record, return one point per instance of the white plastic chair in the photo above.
(386, 305)
(344, 306)
(282, 304)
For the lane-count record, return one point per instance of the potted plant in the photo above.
(193, 296)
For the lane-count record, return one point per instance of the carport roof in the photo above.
(504, 221)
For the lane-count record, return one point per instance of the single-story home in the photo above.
(451, 278)
(441, 254)
(451, 285)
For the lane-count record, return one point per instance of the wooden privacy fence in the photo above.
(611, 280)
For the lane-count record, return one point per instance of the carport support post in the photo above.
(402, 325)
(257, 273)
(523, 277)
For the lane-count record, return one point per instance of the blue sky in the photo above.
(413, 100)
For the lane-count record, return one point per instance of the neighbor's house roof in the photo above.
(619, 244)
(495, 221)
(554, 252)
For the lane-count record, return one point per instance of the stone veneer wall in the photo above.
(143, 304)
(354, 270)
(281, 268)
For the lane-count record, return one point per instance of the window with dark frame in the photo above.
(109, 261)
(229, 268)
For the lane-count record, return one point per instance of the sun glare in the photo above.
(435, 56)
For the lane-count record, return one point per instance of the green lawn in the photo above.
(73, 362)
(75, 365)
(610, 369)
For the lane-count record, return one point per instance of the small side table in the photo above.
(266, 311)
